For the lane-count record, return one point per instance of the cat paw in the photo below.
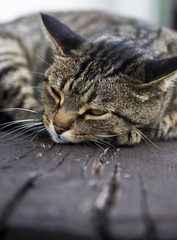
(129, 139)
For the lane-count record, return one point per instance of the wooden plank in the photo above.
(47, 162)
(148, 181)
(19, 162)
(83, 192)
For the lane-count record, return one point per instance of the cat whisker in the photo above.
(147, 142)
(101, 141)
(42, 59)
(17, 109)
(38, 73)
(145, 137)
(27, 129)
(24, 136)
(18, 128)
(14, 130)
(19, 121)
(11, 123)
(33, 134)
(97, 144)
(31, 130)
(38, 133)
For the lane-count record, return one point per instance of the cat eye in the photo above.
(95, 112)
(55, 92)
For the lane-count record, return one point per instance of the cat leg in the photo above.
(166, 129)
(129, 139)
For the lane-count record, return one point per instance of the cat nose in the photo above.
(59, 129)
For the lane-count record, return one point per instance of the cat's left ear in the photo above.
(63, 37)
(160, 75)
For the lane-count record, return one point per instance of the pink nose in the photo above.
(59, 129)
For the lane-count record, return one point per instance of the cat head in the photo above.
(87, 97)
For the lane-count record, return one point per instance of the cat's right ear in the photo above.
(160, 76)
(64, 39)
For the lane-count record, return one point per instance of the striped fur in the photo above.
(108, 79)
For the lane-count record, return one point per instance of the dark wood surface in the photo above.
(51, 191)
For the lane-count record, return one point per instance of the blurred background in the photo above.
(161, 12)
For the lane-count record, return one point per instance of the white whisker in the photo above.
(17, 109)
(10, 132)
(27, 135)
(11, 123)
(103, 142)
(16, 129)
(38, 133)
(145, 137)
(38, 73)
(42, 59)
(24, 131)
(96, 143)
(28, 129)
(20, 127)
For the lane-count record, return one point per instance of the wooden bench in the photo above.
(65, 192)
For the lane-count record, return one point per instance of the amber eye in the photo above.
(55, 92)
(95, 112)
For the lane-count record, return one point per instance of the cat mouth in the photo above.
(64, 137)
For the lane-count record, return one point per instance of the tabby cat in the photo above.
(108, 80)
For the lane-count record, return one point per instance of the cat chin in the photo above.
(63, 138)
(66, 137)
(57, 139)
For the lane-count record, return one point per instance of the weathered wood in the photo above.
(50, 191)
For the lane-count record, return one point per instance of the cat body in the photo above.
(108, 79)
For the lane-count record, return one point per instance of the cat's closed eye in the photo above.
(56, 93)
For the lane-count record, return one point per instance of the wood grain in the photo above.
(51, 191)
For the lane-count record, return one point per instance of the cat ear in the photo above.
(160, 75)
(63, 37)
(157, 69)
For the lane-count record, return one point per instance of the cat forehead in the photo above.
(92, 68)
(80, 78)
(88, 88)
(101, 58)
